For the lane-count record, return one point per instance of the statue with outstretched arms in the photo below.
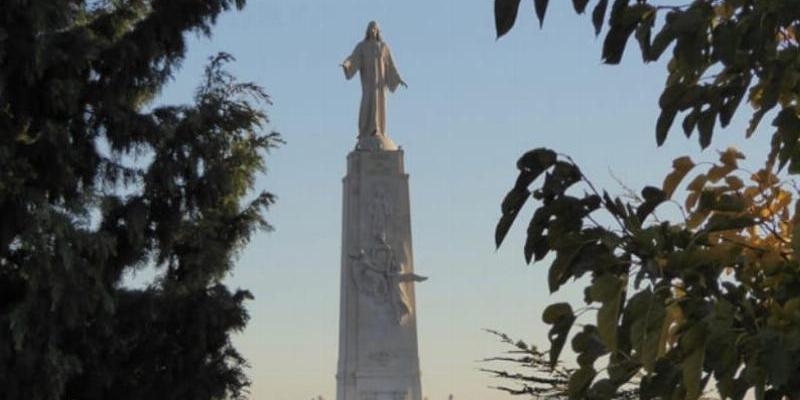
(372, 59)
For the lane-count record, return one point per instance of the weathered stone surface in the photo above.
(378, 357)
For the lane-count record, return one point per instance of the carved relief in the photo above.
(380, 213)
(379, 276)
(369, 279)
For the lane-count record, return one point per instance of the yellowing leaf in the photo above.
(680, 167)
(691, 200)
(729, 157)
(765, 178)
(674, 317)
(695, 219)
(684, 163)
(781, 201)
(718, 172)
(734, 182)
(796, 218)
(697, 183)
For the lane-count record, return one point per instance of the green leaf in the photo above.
(672, 95)
(705, 125)
(726, 41)
(777, 359)
(603, 389)
(541, 9)
(580, 381)
(690, 122)
(615, 42)
(608, 290)
(511, 206)
(653, 197)
(598, 15)
(562, 318)
(754, 121)
(786, 140)
(567, 264)
(662, 383)
(729, 203)
(644, 34)
(693, 342)
(644, 315)
(555, 312)
(732, 103)
(618, 9)
(505, 14)
(559, 271)
(536, 242)
(688, 22)
(588, 345)
(660, 43)
(664, 123)
(580, 5)
(530, 165)
(556, 183)
(721, 222)
(621, 368)
(537, 161)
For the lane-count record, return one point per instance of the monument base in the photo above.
(378, 356)
(376, 142)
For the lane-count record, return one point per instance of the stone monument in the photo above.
(378, 357)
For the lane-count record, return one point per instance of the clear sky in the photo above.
(473, 105)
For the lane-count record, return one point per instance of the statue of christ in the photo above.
(373, 60)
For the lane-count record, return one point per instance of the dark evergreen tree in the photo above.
(95, 183)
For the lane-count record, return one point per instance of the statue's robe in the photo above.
(373, 60)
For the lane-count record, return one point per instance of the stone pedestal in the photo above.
(378, 358)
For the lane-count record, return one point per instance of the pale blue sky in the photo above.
(473, 106)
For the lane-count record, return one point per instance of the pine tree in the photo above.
(96, 183)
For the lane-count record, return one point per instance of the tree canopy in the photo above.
(97, 183)
(714, 293)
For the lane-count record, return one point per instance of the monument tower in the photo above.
(378, 357)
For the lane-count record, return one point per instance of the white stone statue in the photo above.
(373, 60)
(379, 276)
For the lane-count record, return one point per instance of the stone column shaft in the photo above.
(378, 356)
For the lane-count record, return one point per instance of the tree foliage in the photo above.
(530, 373)
(714, 293)
(722, 52)
(96, 184)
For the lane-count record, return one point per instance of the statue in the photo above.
(378, 275)
(373, 60)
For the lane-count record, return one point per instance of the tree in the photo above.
(712, 294)
(531, 373)
(96, 183)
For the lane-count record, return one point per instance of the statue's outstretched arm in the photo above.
(411, 277)
(393, 78)
(352, 64)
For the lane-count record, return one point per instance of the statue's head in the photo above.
(373, 32)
